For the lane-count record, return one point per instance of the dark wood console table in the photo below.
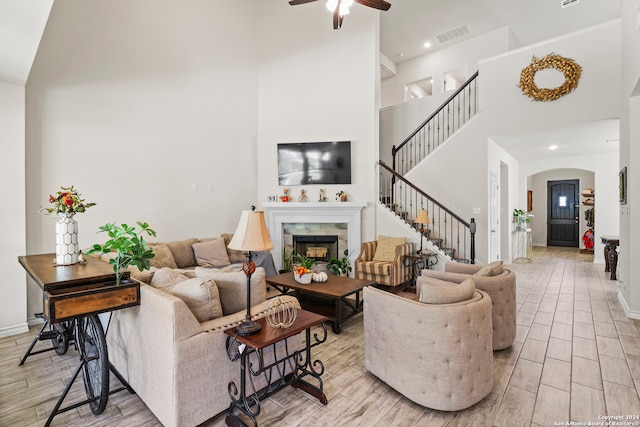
(73, 295)
(611, 243)
(282, 368)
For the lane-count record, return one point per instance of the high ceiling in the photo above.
(408, 24)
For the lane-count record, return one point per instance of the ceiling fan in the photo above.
(340, 8)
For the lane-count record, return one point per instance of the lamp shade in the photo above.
(251, 233)
(423, 217)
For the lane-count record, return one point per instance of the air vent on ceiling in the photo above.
(567, 3)
(453, 33)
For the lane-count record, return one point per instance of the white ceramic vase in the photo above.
(67, 248)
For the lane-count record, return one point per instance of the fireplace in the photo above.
(320, 248)
(340, 219)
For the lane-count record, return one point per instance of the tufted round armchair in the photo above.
(502, 290)
(437, 355)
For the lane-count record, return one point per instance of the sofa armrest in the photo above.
(443, 275)
(458, 267)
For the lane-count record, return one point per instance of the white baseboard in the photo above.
(14, 330)
(631, 314)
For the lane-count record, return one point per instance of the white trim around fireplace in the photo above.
(281, 213)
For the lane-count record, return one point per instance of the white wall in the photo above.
(629, 214)
(318, 84)
(12, 171)
(466, 54)
(134, 103)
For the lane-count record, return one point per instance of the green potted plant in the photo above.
(129, 245)
(342, 266)
(520, 218)
(286, 261)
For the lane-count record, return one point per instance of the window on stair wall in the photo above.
(453, 79)
(418, 89)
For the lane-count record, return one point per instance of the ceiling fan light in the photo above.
(332, 4)
(347, 3)
(344, 9)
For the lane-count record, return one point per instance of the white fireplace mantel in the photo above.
(280, 213)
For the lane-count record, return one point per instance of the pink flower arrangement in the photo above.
(67, 200)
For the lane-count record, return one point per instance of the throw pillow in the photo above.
(436, 291)
(201, 297)
(212, 253)
(233, 287)
(234, 255)
(493, 269)
(183, 252)
(167, 277)
(386, 248)
(163, 256)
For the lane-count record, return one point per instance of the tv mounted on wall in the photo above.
(304, 163)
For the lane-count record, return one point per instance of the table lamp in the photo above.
(251, 235)
(422, 219)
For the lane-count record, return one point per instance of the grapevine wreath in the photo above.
(568, 67)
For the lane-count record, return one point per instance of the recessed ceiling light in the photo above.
(427, 44)
(400, 54)
(553, 147)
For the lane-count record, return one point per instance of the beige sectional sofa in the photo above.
(171, 348)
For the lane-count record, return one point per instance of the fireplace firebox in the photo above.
(319, 248)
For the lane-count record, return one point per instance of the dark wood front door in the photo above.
(562, 213)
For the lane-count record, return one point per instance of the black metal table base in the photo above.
(293, 368)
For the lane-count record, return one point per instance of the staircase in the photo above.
(447, 234)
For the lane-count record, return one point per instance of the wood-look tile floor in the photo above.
(576, 358)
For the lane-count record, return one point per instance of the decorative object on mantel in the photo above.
(281, 313)
(250, 236)
(321, 197)
(286, 197)
(129, 245)
(303, 196)
(340, 8)
(66, 203)
(568, 67)
(342, 196)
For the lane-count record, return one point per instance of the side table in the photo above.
(611, 254)
(280, 370)
(416, 263)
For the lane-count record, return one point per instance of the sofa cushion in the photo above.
(379, 268)
(163, 256)
(386, 248)
(233, 287)
(436, 291)
(493, 269)
(234, 255)
(182, 251)
(167, 277)
(143, 276)
(201, 297)
(212, 253)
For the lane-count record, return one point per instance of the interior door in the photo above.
(563, 213)
(494, 202)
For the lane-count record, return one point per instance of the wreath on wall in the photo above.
(568, 67)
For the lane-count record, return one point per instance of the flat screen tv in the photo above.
(304, 163)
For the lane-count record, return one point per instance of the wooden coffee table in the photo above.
(328, 298)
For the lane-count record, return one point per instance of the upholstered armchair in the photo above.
(438, 355)
(382, 261)
(499, 283)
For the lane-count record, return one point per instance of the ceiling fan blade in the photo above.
(376, 4)
(336, 19)
(296, 2)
